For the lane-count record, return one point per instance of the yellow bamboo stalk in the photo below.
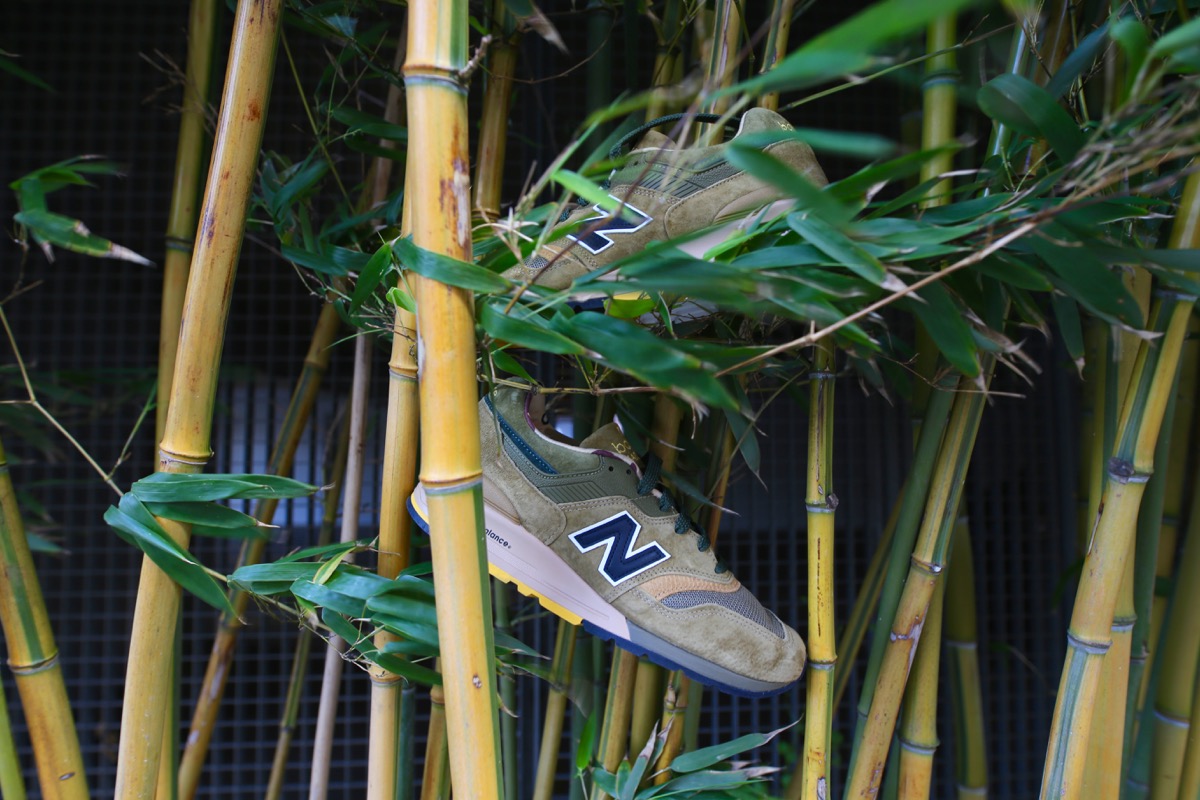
(928, 560)
(220, 659)
(435, 779)
(12, 784)
(1189, 780)
(185, 444)
(1096, 409)
(820, 503)
(1180, 657)
(33, 657)
(384, 758)
(666, 59)
(556, 706)
(493, 124)
(962, 663)
(450, 458)
(1089, 636)
(1102, 775)
(918, 725)
(776, 46)
(618, 707)
(723, 57)
(181, 227)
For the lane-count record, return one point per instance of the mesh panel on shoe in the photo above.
(741, 602)
(536, 262)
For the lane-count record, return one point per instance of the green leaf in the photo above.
(767, 167)
(1030, 109)
(504, 361)
(40, 544)
(71, 234)
(840, 247)
(136, 525)
(707, 756)
(1008, 269)
(361, 123)
(448, 270)
(9, 66)
(1066, 311)
(843, 143)
(1079, 61)
(947, 326)
(402, 299)
(1130, 33)
(593, 194)
(167, 487)
(1184, 37)
(326, 598)
(1088, 280)
(522, 326)
(272, 579)
(371, 276)
(587, 743)
(210, 519)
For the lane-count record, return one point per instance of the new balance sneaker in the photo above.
(586, 530)
(668, 192)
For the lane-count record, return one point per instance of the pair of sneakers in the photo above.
(586, 528)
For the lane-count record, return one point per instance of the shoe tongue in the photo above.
(762, 119)
(653, 140)
(610, 439)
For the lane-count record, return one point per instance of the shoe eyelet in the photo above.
(628, 472)
(610, 469)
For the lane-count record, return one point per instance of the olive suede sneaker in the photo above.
(667, 193)
(587, 531)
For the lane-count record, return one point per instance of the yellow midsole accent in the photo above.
(549, 605)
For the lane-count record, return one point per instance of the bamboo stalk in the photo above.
(556, 706)
(820, 503)
(776, 46)
(335, 479)
(388, 775)
(12, 784)
(287, 440)
(927, 562)
(723, 57)
(185, 443)
(181, 227)
(962, 664)
(1104, 566)
(618, 707)
(435, 779)
(1189, 780)
(450, 458)
(331, 682)
(666, 57)
(33, 658)
(1096, 412)
(918, 737)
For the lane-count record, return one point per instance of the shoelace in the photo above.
(683, 522)
(619, 148)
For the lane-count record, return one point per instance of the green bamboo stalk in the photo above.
(331, 682)
(185, 443)
(1189, 780)
(820, 502)
(618, 708)
(1089, 636)
(335, 478)
(723, 57)
(667, 56)
(287, 440)
(962, 664)
(918, 738)
(556, 706)
(927, 562)
(33, 658)
(450, 457)
(12, 784)
(508, 698)
(1091, 420)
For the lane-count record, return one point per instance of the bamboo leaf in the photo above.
(326, 598)
(593, 194)
(587, 744)
(946, 324)
(1078, 62)
(695, 784)
(446, 269)
(1184, 37)
(272, 579)
(505, 362)
(167, 487)
(406, 669)
(360, 123)
(522, 326)
(707, 756)
(136, 525)
(1066, 311)
(1008, 269)
(1030, 109)
(371, 276)
(402, 299)
(321, 550)
(71, 234)
(840, 247)
(10, 66)
(1131, 35)
(210, 519)
(767, 167)
(1089, 281)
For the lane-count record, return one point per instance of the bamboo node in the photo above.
(166, 457)
(1122, 470)
(920, 749)
(1172, 720)
(451, 487)
(402, 374)
(184, 244)
(33, 668)
(1097, 648)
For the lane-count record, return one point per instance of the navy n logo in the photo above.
(618, 534)
(627, 219)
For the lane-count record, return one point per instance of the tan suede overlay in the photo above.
(667, 585)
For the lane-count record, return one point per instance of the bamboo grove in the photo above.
(1050, 191)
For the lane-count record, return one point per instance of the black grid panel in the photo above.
(103, 317)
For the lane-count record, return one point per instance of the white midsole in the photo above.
(534, 566)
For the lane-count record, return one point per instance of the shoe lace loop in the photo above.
(683, 523)
(619, 148)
